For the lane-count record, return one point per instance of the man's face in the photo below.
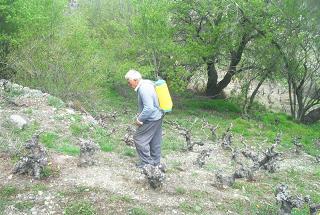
(133, 83)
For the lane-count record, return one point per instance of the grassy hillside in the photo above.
(116, 186)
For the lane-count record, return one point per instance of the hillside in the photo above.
(115, 185)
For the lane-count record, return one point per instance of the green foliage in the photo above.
(282, 123)
(46, 172)
(61, 144)
(8, 191)
(49, 139)
(13, 92)
(120, 198)
(25, 19)
(130, 152)
(102, 138)
(79, 129)
(23, 206)
(243, 127)
(190, 208)
(138, 211)
(152, 33)
(28, 111)
(39, 187)
(21, 21)
(55, 102)
(172, 143)
(219, 105)
(67, 148)
(317, 174)
(12, 139)
(211, 167)
(107, 147)
(3, 204)
(80, 208)
(180, 190)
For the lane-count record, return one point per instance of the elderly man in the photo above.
(148, 136)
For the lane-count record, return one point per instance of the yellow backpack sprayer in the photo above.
(165, 101)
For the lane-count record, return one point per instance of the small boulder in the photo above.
(18, 121)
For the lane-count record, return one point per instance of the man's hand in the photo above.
(138, 122)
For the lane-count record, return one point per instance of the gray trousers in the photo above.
(147, 139)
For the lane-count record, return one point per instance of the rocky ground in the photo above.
(115, 185)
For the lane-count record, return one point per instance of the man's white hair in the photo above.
(133, 75)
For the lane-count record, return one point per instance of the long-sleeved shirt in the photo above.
(148, 103)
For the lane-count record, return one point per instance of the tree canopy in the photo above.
(46, 42)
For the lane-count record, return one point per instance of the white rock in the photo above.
(18, 121)
(26, 89)
(70, 111)
(17, 87)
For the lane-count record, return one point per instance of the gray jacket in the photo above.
(148, 103)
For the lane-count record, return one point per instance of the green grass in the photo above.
(211, 167)
(191, 114)
(3, 204)
(130, 152)
(24, 205)
(80, 208)
(120, 198)
(197, 194)
(172, 143)
(53, 141)
(39, 187)
(107, 147)
(181, 190)
(55, 102)
(46, 172)
(82, 189)
(240, 206)
(28, 111)
(317, 174)
(138, 211)
(13, 92)
(80, 130)
(219, 105)
(49, 139)
(68, 148)
(190, 208)
(8, 191)
(78, 191)
(26, 133)
(105, 142)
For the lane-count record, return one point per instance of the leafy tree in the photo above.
(21, 21)
(296, 38)
(300, 51)
(152, 42)
(215, 33)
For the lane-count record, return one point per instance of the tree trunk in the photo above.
(312, 117)
(254, 93)
(212, 86)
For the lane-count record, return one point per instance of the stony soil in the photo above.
(115, 185)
